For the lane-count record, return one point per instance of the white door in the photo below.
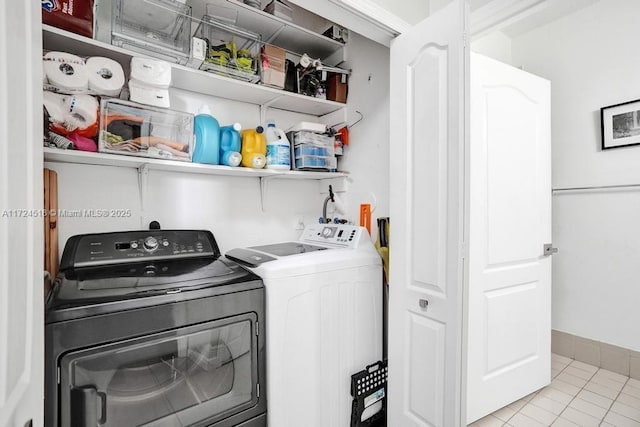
(429, 68)
(21, 223)
(509, 277)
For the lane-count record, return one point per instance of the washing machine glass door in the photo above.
(203, 372)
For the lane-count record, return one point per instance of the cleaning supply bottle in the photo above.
(230, 145)
(207, 137)
(254, 148)
(278, 148)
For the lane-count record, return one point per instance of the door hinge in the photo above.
(464, 39)
(58, 375)
(257, 328)
(258, 390)
(548, 249)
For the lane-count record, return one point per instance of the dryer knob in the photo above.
(151, 243)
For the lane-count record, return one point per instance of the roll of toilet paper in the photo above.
(106, 76)
(66, 72)
(81, 111)
(151, 72)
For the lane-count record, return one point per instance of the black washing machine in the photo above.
(154, 328)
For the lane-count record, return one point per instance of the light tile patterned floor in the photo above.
(579, 395)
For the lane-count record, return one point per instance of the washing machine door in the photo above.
(189, 376)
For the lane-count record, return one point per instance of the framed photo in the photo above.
(620, 125)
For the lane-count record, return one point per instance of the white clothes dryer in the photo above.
(324, 321)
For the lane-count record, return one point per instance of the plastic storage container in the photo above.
(136, 130)
(278, 149)
(316, 162)
(159, 28)
(207, 138)
(231, 51)
(312, 151)
(254, 148)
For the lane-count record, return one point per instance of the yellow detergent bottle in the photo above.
(254, 148)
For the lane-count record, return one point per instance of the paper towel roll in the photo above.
(72, 113)
(145, 94)
(151, 72)
(106, 76)
(67, 72)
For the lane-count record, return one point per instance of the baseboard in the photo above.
(617, 359)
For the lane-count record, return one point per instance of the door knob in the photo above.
(548, 249)
(423, 303)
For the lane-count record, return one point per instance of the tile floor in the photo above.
(579, 395)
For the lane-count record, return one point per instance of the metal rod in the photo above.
(597, 187)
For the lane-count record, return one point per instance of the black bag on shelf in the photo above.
(291, 77)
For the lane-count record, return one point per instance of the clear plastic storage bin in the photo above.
(312, 151)
(136, 130)
(160, 28)
(312, 139)
(231, 51)
(316, 162)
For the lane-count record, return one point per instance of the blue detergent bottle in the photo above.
(230, 143)
(207, 138)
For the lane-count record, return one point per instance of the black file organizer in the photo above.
(368, 387)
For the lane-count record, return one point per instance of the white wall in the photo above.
(412, 11)
(367, 157)
(495, 45)
(591, 59)
(230, 206)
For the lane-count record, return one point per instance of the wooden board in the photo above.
(50, 225)
(53, 222)
(46, 221)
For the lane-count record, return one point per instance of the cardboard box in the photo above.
(337, 87)
(280, 9)
(338, 33)
(273, 66)
(75, 16)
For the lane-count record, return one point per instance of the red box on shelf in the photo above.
(71, 15)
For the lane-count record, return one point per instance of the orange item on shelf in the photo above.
(365, 216)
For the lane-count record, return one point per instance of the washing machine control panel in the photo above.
(137, 246)
(334, 234)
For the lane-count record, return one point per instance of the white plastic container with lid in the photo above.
(278, 148)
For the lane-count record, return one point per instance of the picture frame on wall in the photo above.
(620, 125)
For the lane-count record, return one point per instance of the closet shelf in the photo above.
(283, 33)
(56, 155)
(194, 80)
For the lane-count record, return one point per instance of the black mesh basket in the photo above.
(368, 387)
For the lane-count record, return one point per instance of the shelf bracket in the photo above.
(340, 184)
(263, 189)
(143, 186)
(265, 106)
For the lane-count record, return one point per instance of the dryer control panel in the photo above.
(347, 236)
